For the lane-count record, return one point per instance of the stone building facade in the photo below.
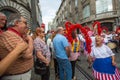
(86, 12)
(28, 8)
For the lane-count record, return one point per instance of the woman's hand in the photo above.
(47, 63)
(113, 63)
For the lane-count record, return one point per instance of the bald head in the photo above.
(59, 29)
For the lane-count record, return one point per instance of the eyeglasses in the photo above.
(24, 22)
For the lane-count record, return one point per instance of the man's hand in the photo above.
(21, 46)
(29, 38)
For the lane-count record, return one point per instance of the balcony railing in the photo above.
(106, 14)
(109, 14)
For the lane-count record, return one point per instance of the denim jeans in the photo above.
(64, 69)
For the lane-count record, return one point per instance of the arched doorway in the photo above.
(109, 25)
(7, 12)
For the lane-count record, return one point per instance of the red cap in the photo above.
(43, 25)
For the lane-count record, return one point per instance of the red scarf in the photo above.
(1, 31)
(13, 30)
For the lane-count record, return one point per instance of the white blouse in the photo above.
(101, 52)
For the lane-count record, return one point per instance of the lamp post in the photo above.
(33, 10)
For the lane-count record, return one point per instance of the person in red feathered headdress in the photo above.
(118, 35)
(75, 51)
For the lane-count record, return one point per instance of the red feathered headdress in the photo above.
(105, 28)
(97, 28)
(70, 27)
(87, 28)
(118, 30)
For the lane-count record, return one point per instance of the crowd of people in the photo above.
(19, 51)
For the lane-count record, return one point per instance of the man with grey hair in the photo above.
(13, 55)
(2, 21)
(21, 68)
(62, 52)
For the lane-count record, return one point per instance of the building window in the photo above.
(65, 3)
(76, 3)
(86, 11)
(66, 14)
(63, 16)
(8, 12)
(77, 17)
(103, 6)
(70, 8)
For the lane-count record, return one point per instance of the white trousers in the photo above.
(24, 76)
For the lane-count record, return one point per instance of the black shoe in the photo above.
(78, 60)
(89, 67)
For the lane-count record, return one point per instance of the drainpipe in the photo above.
(33, 11)
(119, 14)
